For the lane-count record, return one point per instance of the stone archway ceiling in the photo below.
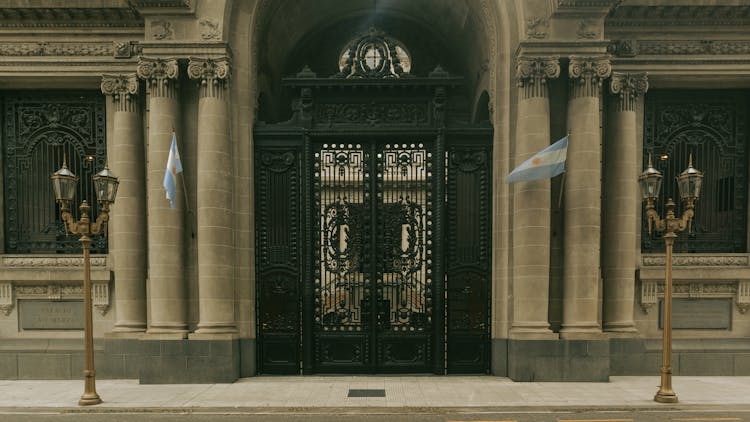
(315, 33)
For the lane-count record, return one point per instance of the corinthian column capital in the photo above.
(628, 87)
(123, 89)
(213, 74)
(532, 74)
(160, 75)
(587, 74)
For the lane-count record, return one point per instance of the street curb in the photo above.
(374, 410)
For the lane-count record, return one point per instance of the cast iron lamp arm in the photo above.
(83, 226)
(670, 223)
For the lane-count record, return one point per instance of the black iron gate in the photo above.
(373, 272)
(373, 230)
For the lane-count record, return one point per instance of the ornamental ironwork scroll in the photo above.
(40, 131)
(712, 126)
(404, 182)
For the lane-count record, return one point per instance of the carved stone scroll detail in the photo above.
(532, 74)
(162, 30)
(537, 27)
(587, 74)
(210, 29)
(628, 87)
(123, 89)
(160, 75)
(212, 74)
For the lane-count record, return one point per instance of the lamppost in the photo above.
(689, 185)
(105, 183)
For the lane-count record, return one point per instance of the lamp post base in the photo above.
(89, 399)
(665, 397)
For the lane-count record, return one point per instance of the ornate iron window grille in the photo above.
(39, 131)
(712, 127)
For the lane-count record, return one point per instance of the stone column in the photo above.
(531, 203)
(621, 202)
(127, 234)
(582, 209)
(214, 198)
(166, 228)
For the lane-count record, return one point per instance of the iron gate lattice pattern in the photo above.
(373, 272)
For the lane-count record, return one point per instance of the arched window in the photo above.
(711, 126)
(39, 131)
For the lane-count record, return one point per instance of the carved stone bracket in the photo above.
(628, 86)
(743, 296)
(6, 298)
(213, 74)
(532, 74)
(648, 295)
(160, 75)
(123, 89)
(587, 74)
(100, 297)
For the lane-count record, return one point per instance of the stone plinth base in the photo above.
(558, 360)
(692, 357)
(191, 362)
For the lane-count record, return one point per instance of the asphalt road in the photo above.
(368, 415)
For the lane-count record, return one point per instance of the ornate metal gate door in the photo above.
(373, 257)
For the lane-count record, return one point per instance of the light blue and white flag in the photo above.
(545, 164)
(174, 166)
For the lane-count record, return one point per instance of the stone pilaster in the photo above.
(166, 232)
(214, 198)
(581, 256)
(127, 236)
(531, 203)
(621, 202)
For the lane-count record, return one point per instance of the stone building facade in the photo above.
(342, 207)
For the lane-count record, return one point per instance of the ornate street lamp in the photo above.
(105, 183)
(689, 185)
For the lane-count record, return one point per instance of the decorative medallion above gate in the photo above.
(365, 154)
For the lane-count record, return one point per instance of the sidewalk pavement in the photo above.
(277, 392)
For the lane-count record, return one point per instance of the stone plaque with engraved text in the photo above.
(50, 314)
(699, 314)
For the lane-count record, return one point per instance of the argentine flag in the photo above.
(545, 164)
(174, 166)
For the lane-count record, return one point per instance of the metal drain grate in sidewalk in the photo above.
(366, 393)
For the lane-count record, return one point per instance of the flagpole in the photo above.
(562, 182)
(184, 191)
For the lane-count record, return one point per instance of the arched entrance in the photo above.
(372, 208)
